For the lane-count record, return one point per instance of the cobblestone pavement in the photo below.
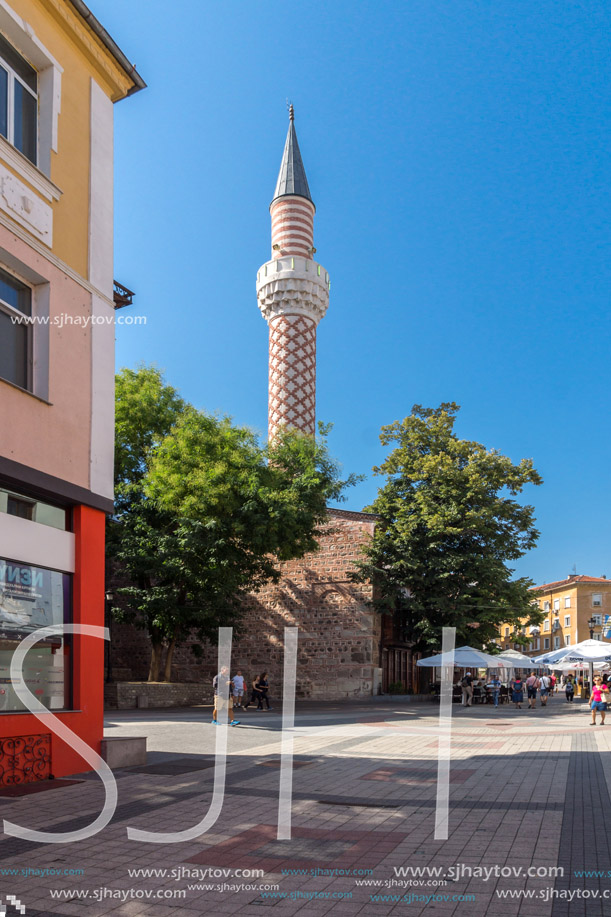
(530, 811)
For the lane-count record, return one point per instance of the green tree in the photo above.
(449, 530)
(204, 512)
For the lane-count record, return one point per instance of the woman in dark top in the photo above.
(263, 688)
(255, 695)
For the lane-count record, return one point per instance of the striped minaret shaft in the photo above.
(293, 295)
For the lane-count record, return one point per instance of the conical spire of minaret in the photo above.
(292, 178)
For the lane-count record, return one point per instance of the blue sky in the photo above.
(458, 155)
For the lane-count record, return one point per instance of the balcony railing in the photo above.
(122, 296)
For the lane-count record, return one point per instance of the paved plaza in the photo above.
(530, 811)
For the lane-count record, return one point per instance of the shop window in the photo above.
(16, 504)
(22, 508)
(31, 598)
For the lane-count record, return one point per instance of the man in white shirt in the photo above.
(238, 689)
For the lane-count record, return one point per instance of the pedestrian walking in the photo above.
(517, 691)
(222, 686)
(467, 689)
(569, 690)
(544, 686)
(600, 694)
(532, 683)
(552, 689)
(255, 695)
(263, 686)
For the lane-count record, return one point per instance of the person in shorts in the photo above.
(544, 686)
(238, 689)
(532, 683)
(222, 685)
(598, 704)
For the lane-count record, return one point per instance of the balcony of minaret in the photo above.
(293, 284)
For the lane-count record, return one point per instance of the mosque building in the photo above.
(346, 649)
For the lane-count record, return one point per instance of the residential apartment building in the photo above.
(567, 605)
(60, 74)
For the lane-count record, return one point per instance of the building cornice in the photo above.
(85, 29)
(47, 486)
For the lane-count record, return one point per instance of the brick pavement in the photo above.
(534, 793)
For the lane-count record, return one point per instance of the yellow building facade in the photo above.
(567, 605)
(60, 76)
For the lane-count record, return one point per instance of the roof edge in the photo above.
(110, 44)
(580, 580)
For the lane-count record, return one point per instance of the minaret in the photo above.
(293, 295)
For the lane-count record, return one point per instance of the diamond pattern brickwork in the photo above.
(292, 373)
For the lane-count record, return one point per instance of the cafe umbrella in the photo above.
(591, 651)
(463, 657)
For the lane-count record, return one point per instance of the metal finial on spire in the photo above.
(292, 178)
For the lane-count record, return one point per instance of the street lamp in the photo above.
(592, 623)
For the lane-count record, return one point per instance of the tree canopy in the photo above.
(450, 528)
(204, 511)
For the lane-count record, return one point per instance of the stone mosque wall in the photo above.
(339, 633)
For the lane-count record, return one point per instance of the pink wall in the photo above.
(53, 438)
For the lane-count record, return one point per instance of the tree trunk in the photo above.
(167, 675)
(155, 661)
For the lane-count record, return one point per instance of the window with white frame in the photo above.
(546, 643)
(598, 620)
(567, 602)
(546, 625)
(556, 604)
(598, 636)
(15, 333)
(537, 643)
(567, 640)
(597, 599)
(546, 606)
(556, 643)
(506, 631)
(567, 620)
(18, 101)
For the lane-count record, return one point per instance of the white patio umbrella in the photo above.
(511, 659)
(586, 651)
(465, 657)
(564, 666)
